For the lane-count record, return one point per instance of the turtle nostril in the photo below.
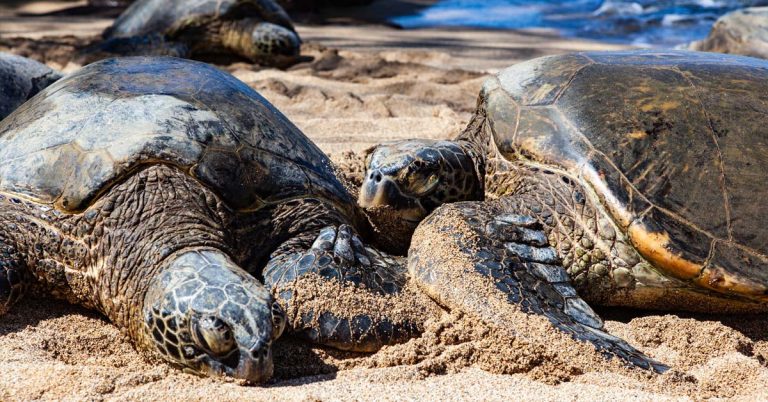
(260, 352)
(375, 176)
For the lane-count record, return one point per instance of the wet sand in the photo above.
(367, 84)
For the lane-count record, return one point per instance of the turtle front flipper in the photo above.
(489, 261)
(14, 277)
(339, 293)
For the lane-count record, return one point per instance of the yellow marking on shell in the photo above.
(542, 92)
(663, 106)
(637, 135)
(716, 278)
(643, 88)
(616, 208)
(653, 246)
(532, 145)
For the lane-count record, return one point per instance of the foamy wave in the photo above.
(609, 9)
(511, 16)
(664, 23)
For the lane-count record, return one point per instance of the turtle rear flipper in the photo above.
(342, 294)
(488, 261)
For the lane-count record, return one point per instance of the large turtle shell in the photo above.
(71, 142)
(673, 144)
(157, 16)
(20, 79)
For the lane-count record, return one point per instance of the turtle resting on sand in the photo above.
(256, 30)
(636, 177)
(21, 79)
(159, 191)
(149, 188)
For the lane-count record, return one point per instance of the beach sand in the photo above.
(367, 84)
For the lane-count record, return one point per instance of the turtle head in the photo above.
(264, 42)
(209, 317)
(414, 177)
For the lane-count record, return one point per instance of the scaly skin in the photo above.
(576, 234)
(257, 30)
(155, 223)
(414, 177)
(602, 263)
(311, 238)
(161, 232)
(337, 256)
(252, 39)
(154, 247)
(468, 243)
(514, 242)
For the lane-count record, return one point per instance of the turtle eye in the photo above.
(368, 155)
(421, 177)
(278, 320)
(213, 335)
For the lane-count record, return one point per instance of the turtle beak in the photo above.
(379, 190)
(255, 365)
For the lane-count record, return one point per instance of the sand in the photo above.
(369, 84)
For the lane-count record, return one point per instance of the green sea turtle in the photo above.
(257, 30)
(635, 176)
(149, 188)
(20, 79)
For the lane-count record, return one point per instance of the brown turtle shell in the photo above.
(673, 144)
(20, 79)
(93, 128)
(158, 16)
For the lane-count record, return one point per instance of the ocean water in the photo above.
(642, 22)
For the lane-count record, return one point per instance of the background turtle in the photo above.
(20, 79)
(146, 188)
(635, 176)
(257, 30)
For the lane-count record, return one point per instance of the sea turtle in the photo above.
(256, 30)
(635, 176)
(20, 79)
(148, 188)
